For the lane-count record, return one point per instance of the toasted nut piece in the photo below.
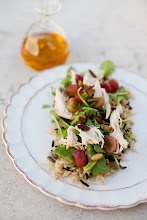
(80, 83)
(99, 119)
(106, 123)
(96, 157)
(87, 88)
(91, 92)
(98, 103)
(113, 103)
(107, 128)
(92, 100)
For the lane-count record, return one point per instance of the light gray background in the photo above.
(96, 30)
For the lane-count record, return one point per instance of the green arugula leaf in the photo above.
(62, 121)
(119, 96)
(67, 81)
(66, 154)
(53, 114)
(95, 122)
(98, 149)
(90, 151)
(90, 111)
(76, 131)
(64, 133)
(88, 168)
(91, 104)
(46, 106)
(89, 122)
(108, 67)
(76, 117)
(100, 168)
(69, 70)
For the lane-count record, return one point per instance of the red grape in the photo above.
(114, 85)
(71, 90)
(82, 119)
(77, 97)
(98, 103)
(110, 144)
(80, 158)
(106, 86)
(79, 77)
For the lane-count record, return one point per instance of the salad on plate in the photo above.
(92, 127)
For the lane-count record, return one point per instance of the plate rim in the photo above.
(101, 207)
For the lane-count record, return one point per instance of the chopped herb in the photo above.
(126, 120)
(53, 90)
(129, 135)
(46, 106)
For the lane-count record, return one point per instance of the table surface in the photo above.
(97, 30)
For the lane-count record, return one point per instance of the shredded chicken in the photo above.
(92, 136)
(89, 80)
(107, 105)
(60, 105)
(71, 137)
(71, 140)
(117, 134)
(101, 92)
(73, 77)
(98, 89)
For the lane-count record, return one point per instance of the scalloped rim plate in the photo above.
(22, 138)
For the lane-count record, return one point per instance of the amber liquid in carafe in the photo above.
(44, 50)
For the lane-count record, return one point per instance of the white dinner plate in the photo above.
(25, 129)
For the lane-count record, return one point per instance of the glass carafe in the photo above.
(45, 44)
